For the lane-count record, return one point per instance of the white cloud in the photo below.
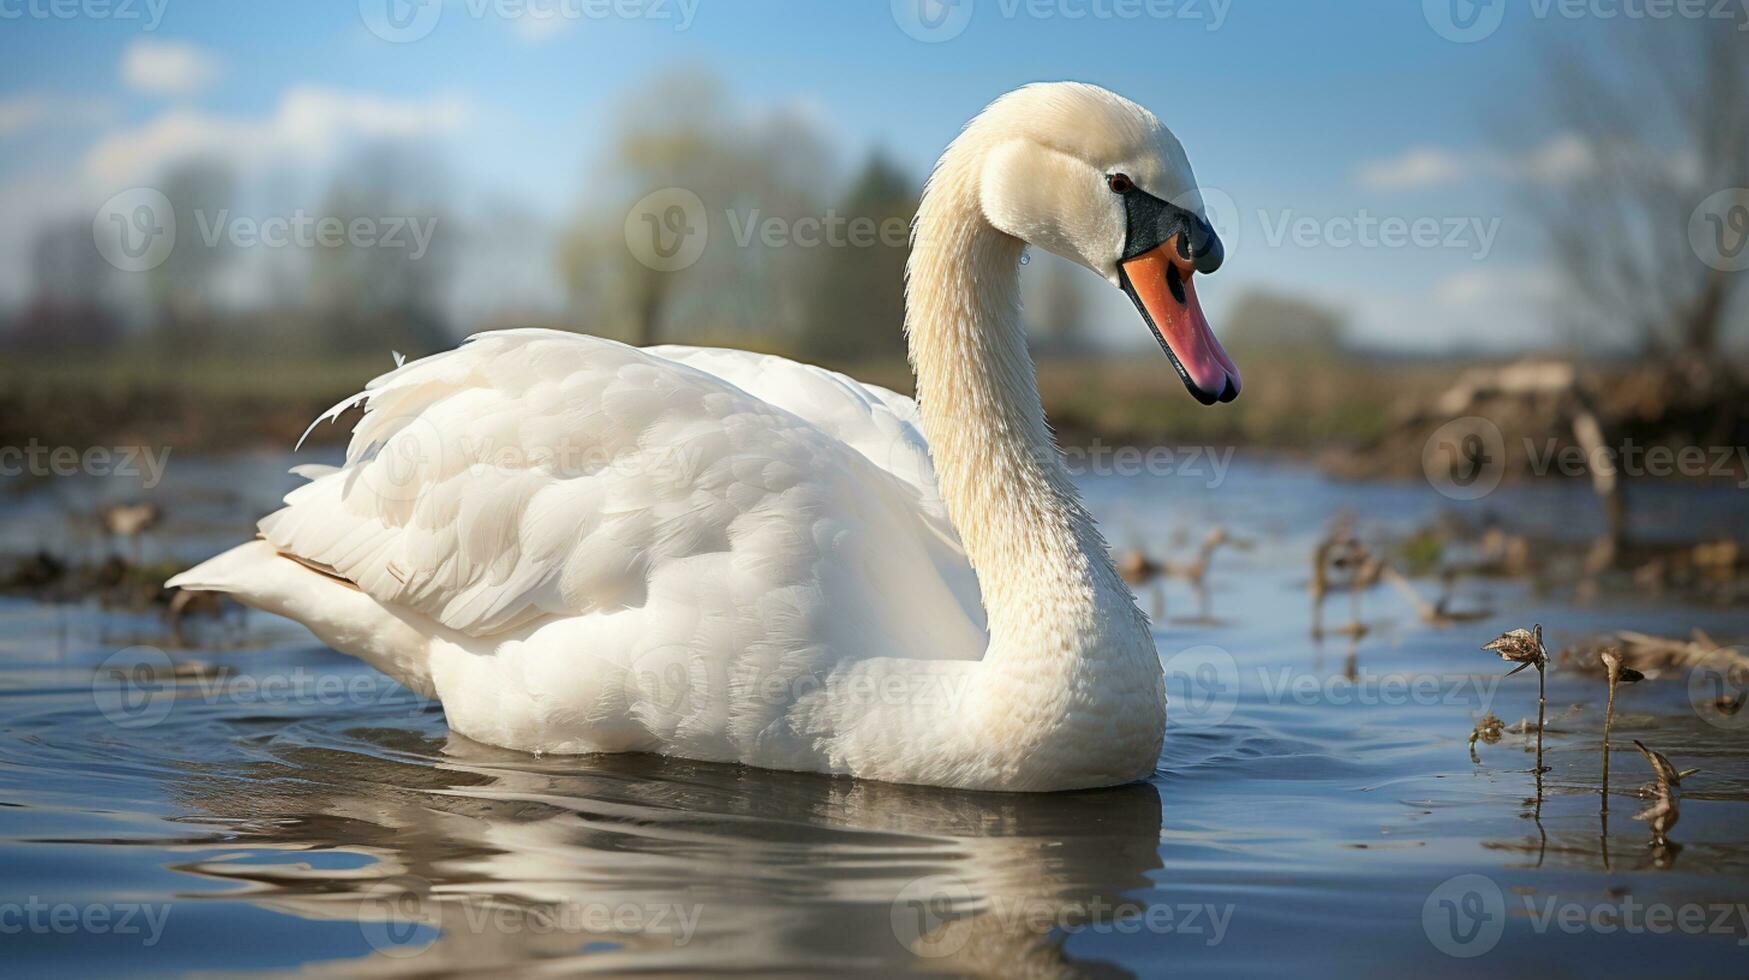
(1419, 167)
(536, 28)
(1562, 158)
(1482, 287)
(167, 67)
(1484, 309)
(21, 112)
(309, 127)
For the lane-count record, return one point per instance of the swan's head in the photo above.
(1095, 178)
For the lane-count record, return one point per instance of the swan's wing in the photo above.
(881, 424)
(532, 474)
(877, 422)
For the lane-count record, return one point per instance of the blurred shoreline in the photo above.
(1356, 416)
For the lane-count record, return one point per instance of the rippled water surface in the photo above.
(249, 801)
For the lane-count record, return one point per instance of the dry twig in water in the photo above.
(1618, 673)
(1662, 815)
(1525, 648)
(1488, 730)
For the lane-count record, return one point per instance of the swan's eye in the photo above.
(1119, 183)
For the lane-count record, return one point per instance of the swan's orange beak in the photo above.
(1159, 281)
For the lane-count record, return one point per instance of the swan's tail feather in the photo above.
(334, 609)
(226, 572)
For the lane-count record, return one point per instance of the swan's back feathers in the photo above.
(531, 475)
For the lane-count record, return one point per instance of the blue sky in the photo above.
(1310, 118)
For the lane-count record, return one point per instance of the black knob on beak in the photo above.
(1201, 246)
(1153, 222)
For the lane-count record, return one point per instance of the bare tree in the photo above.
(855, 306)
(182, 292)
(389, 291)
(1277, 324)
(680, 131)
(1662, 119)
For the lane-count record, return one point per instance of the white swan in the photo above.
(579, 546)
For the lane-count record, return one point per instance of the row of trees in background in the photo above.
(1664, 118)
(840, 301)
(211, 294)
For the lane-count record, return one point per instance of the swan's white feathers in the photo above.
(535, 474)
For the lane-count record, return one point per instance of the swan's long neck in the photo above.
(1019, 516)
(1063, 626)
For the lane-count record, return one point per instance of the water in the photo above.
(251, 802)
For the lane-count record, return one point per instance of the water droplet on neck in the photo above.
(1026, 256)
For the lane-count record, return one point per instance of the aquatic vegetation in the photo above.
(1619, 673)
(1438, 613)
(1665, 810)
(1522, 647)
(1138, 567)
(1341, 559)
(1488, 730)
(1525, 648)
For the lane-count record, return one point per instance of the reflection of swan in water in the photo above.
(487, 859)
